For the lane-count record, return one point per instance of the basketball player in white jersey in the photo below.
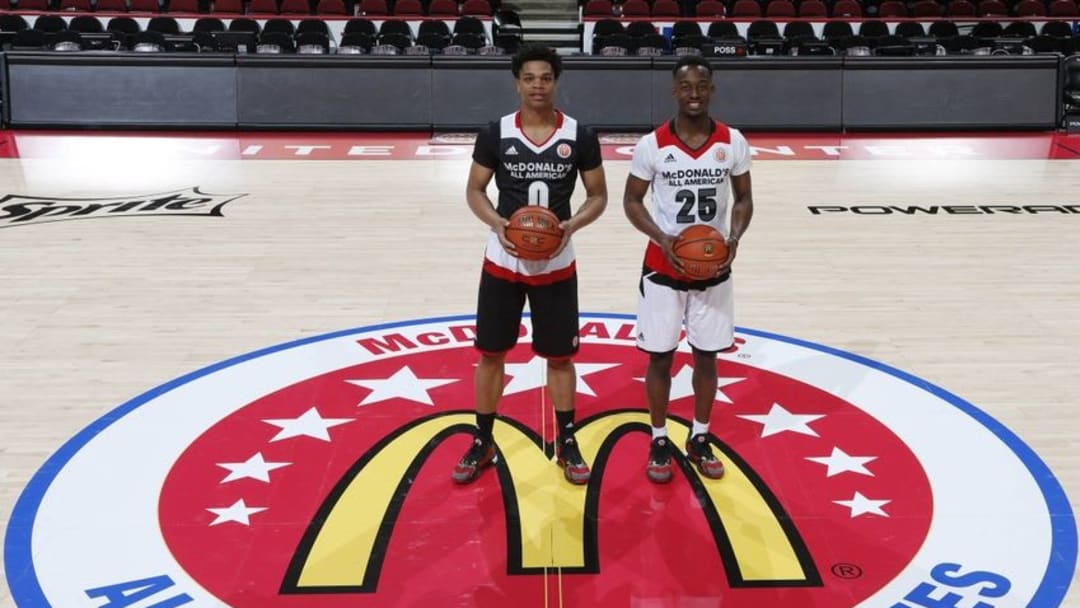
(690, 162)
(535, 155)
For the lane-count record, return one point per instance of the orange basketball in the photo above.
(535, 232)
(702, 250)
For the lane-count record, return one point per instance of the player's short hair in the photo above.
(693, 61)
(535, 52)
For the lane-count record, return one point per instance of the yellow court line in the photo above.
(543, 408)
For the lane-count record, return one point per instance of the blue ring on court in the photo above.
(26, 589)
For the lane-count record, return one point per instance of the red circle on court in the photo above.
(238, 504)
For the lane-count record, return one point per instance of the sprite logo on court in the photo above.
(23, 210)
(316, 473)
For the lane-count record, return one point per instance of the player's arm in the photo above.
(594, 205)
(638, 214)
(595, 199)
(742, 209)
(481, 205)
(591, 167)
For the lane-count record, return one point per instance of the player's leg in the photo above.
(498, 316)
(659, 320)
(554, 310)
(704, 383)
(710, 329)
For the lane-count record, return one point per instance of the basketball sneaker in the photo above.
(481, 454)
(658, 469)
(569, 457)
(700, 453)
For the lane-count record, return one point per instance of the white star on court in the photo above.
(527, 376)
(309, 424)
(254, 468)
(682, 384)
(403, 384)
(841, 462)
(860, 504)
(238, 512)
(779, 420)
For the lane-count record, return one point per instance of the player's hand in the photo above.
(500, 231)
(667, 243)
(567, 228)
(732, 249)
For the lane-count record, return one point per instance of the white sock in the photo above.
(700, 428)
(658, 432)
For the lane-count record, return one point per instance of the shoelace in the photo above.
(659, 452)
(701, 448)
(477, 451)
(569, 451)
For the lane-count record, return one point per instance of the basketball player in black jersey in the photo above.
(535, 155)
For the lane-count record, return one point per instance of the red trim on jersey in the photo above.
(656, 260)
(666, 136)
(529, 279)
(558, 125)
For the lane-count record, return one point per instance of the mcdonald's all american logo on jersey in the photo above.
(317, 473)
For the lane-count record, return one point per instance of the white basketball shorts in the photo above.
(709, 316)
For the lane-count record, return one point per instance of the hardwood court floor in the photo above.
(95, 312)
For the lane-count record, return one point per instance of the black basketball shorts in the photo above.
(553, 309)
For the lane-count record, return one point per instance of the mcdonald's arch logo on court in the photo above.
(316, 473)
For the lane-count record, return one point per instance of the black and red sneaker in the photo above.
(569, 456)
(659, 469)
(700, 453)
(481, 455)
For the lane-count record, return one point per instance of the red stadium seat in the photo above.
(846, 8)
(779, 8)
(812, 8)
(408, 8)
(295, 7)
(228, 6)
(710, 8)
(636, 8)
(992, 8)
(1063, 8)
(1030, 8)
(927, 8)
(960, 8)
(480, 8)
(746, 8)
(145, 6)
(75, 5)
(374, 7)
(268, 7)
(331, 7)
(892, 8)
(443, 8)
(183, 6)
(665, 8)
(597, 8)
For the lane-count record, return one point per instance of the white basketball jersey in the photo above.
(690, 186)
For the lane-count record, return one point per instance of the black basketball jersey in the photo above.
(532, 173)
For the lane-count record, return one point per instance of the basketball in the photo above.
(702, 249)
(535, 232)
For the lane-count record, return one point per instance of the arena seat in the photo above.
(813, 8)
